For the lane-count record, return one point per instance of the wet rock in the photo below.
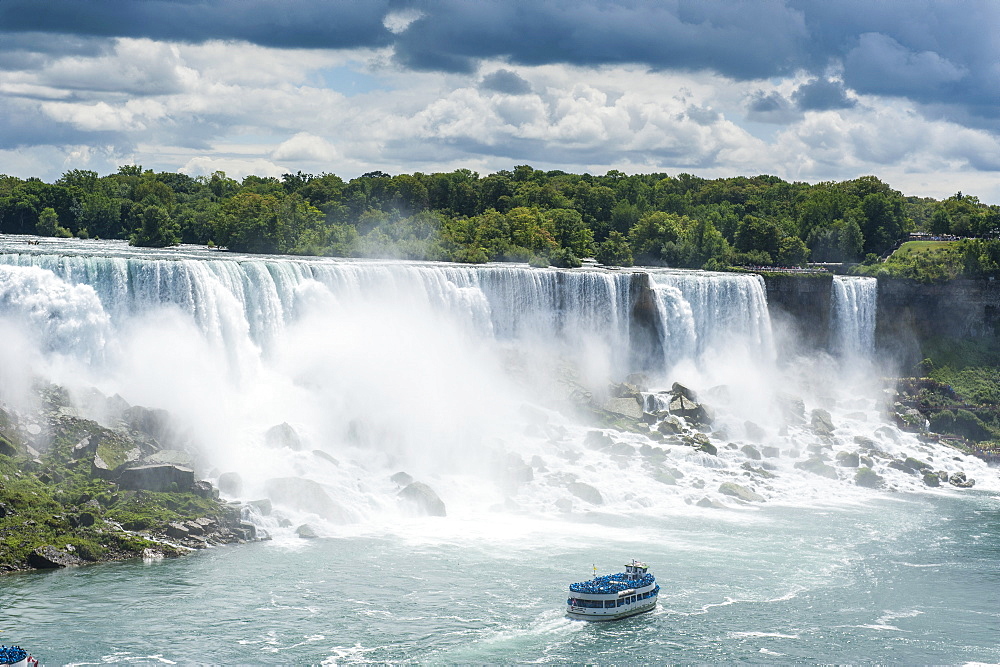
(177, 530)
(868, 478)
(621, 449)
(751, 452)
(741, 492)
(402, 478)
(424, 498)
(821, 422)
(627, 407)
(282, 435)
(48, 557)
(916, 465)
(262, 506)
(670, 426)
(898, 465)
(204, 489)
(152, 422)
(564, 505)
(817, 466)
(848, 459)
(958, 479)
(586, 493)
(688, 409)
(760, 472)
(770, 452)
(538, 463)
(677, 389)
(793, 409)
(305, 495)
(931, 479)
(665, 477)
(516, 472)
(176, 457)
(320, 454)
(157, 478)
(306, 532)
(231, 483)
(754, 432)
(638, 380)
(597, 440)
(713, 504)
(708, 448)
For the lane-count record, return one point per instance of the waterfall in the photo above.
(486, 382)
(854, 306)
(702, 312)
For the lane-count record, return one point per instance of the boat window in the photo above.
(608, 604)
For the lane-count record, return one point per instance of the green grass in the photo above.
(920, 247)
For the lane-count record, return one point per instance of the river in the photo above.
(450, 373)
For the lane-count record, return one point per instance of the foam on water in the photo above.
(456, 375)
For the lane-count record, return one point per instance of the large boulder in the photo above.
(157, 477)
(741, 492)
(283, 435)
(848, 459)
(751, 452)
(958, 479)
(868, 478)
(48, 557)
(586, 492)
(154, 423)
(627, 407)
(694, 412)
(305, 495)
(424, 498)
(821, 422)
(597, 440)
(817, 466)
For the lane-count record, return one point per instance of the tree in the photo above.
(615, 251)
(157, 230)
(48, 222)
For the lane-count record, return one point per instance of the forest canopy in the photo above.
(542, 217)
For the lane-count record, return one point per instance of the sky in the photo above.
(807, 90)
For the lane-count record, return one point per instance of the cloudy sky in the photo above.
(803, 89)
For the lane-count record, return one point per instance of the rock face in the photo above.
(306, 532)
(401, 478)
(423, 496)
(305, 495)
(157, 478)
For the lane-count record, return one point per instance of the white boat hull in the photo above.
(614, 614)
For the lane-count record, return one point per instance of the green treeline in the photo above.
(543, 217)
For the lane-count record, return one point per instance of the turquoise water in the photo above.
(446, 372)
(899, 579)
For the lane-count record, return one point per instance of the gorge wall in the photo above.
(909, 313)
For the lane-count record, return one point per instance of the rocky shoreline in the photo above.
(73, 491)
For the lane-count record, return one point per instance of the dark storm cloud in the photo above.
(931, 51)
(291, 23)
(505, 81)
(822, 95)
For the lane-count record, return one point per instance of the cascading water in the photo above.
(489, 385)
(854, 305)
(703, 311)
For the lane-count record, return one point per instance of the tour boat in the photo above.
(15, 656)
(614, 596)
